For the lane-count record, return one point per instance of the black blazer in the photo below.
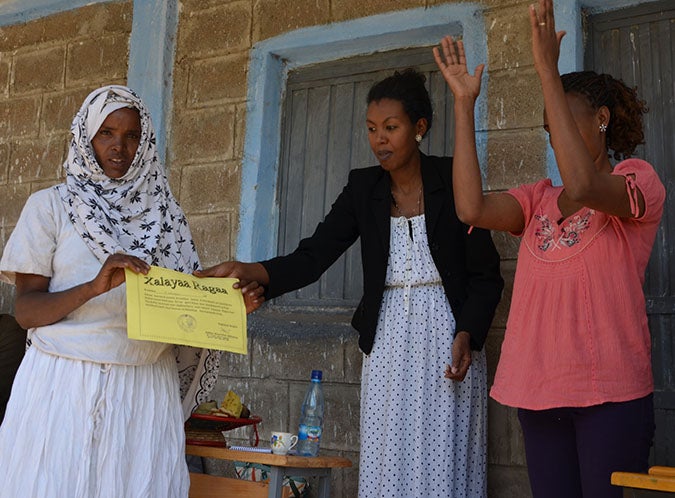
(468, 263)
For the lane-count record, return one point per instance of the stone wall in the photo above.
(205, 156)
(47, 68)
(516, 155)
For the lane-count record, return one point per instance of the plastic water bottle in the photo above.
(311, 418)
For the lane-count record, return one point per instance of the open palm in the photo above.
(453, 67)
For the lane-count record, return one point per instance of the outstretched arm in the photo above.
(497, 211)
(313, 256)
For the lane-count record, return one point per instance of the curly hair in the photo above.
(625, 129)
(407, 87)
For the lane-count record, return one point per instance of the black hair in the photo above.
(407, 87)
(625, 128)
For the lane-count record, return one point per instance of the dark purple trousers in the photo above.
(572, 452)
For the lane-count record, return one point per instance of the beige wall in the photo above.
(209, 99)
(47, 67)
(206, 148)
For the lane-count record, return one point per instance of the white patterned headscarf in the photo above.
(134, 214)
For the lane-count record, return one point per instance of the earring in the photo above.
(418, 138)
(603, 127)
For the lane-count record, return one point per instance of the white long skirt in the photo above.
(76, 429)
(421, 434)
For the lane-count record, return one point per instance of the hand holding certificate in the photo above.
(179, 308)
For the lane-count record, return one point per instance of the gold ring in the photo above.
(542, 24)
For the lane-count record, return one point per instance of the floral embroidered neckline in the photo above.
(570, 233)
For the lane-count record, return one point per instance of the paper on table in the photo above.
(254, 449)
(179, 308)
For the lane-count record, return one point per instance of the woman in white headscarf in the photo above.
(92, 412)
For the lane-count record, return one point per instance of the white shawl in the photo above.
(135, 214)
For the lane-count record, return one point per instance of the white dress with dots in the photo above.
(421, 434)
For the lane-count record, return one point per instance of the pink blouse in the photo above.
(577, 330)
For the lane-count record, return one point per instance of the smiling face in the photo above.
(116, 141)
(392, 135)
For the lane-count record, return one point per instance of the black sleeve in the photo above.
(315, 254)
(484, 286)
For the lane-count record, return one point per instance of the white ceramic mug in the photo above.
(283, 442)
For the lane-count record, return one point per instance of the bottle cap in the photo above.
(317, 374)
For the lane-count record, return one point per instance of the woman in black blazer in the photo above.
(430, 289)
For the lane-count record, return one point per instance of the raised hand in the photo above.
(545, 40)
(453, 67)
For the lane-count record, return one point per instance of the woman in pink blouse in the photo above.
(576, 356)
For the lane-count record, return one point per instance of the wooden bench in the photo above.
(207, 486)
(659, 482)
(201, 484)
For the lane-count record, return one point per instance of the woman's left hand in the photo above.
(253, 296)
(545, 40)
(461, 357)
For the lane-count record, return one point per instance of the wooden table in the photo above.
(659, 482)
(280, 465)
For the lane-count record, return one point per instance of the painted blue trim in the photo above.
(597, 6)
(151, 48)
(270, 61)
(21, 11)
(151, 57)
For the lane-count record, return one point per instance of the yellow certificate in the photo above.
(178, 308)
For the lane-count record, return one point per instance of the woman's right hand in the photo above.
(245, 272)
(453, 68)
(252, 277)
(545, 39)
(36, 306)
(111, 274)
(496, 211)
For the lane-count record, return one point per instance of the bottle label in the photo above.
(310, 432)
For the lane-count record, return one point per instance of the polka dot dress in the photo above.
(421, 434)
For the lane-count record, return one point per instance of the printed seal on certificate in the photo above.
(187, 323)
(179, 308)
